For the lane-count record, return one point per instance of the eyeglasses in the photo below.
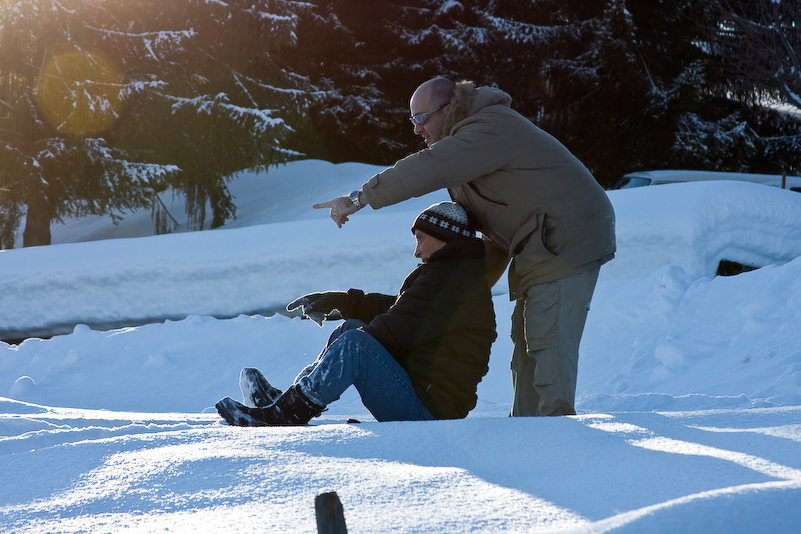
(421, 118)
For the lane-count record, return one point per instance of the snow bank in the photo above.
(292, 250)
(284, 248)
(696, 225)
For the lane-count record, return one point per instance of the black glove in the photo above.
(316, 306)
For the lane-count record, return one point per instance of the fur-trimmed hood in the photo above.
(467, 99)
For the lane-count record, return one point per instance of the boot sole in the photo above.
(256, 391)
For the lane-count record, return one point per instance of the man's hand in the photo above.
(340, 209)
(316, 306)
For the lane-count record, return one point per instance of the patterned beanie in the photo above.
(445, 221)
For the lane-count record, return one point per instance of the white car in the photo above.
(643, 178)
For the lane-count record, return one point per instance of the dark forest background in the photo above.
(105, 104)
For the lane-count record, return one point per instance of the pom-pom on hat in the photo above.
(445, 221)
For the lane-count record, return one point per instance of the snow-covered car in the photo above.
(707, 228)
(643, 178)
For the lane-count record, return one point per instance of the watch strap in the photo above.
(354, 198)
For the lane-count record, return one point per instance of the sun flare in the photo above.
(79, 93)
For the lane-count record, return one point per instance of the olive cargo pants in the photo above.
(546, 330)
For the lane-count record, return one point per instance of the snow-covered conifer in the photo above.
(105, 103)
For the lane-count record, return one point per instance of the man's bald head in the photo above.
(438, 90)
(429, 103)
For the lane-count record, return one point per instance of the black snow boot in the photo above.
(256, 391)
(291, 409)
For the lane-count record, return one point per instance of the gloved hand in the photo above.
(316, 306)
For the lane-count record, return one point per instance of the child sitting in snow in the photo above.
(417, 355)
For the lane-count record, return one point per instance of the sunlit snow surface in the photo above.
(95, 471)
(689, 384)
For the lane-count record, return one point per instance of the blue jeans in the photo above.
(353, 357)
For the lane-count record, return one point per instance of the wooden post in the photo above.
(330, 516)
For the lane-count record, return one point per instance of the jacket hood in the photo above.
(467, 99)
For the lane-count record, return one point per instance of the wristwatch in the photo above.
(354, 197)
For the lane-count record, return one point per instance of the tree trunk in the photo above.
(37, 226)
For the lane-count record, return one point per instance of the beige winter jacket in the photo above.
(535, 201)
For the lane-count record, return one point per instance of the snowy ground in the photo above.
(689, 384)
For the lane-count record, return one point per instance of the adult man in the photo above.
(415, 356)
(539, 208)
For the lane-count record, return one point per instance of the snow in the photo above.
(689, 392)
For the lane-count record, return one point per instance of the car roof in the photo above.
(676, 176)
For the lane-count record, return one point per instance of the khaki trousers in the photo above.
(546, 330)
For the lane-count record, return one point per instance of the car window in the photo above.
(634, 181)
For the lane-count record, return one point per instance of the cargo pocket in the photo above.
(541, 315)
(541, 326)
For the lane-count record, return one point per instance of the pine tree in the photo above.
(633, 85)
(630, 85)
(366, 57)
(354, 58)
(106, 103)
(625, 84)
(56, 97)
(757, 45)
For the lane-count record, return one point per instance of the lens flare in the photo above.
(79, 93)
